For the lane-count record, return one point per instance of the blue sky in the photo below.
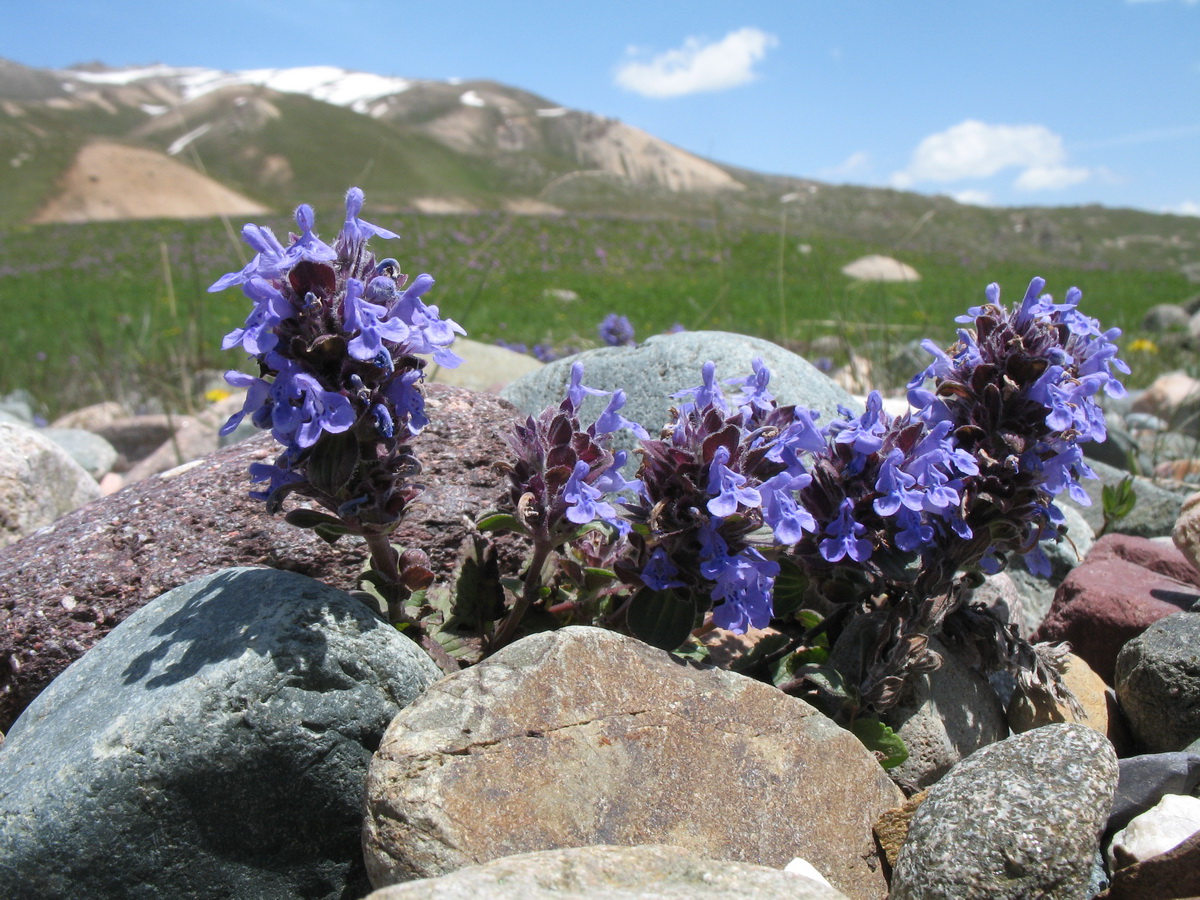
(1025, 102)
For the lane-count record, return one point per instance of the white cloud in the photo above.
(1186, 208)
(974, 149)
(696, 66)
(853, 164)
(1050, 178)
(972, 197)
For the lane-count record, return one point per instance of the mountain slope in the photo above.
(274, 137)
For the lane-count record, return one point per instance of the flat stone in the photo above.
(606, 872)
(214, 744)
(583, 736)
(1021, 818)
(1158, 683)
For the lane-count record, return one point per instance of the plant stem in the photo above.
(385, 561)
(529, 592)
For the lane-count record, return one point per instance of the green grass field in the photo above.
(121, 311)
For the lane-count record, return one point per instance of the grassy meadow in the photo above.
(121, 310)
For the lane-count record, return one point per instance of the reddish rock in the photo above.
(1125, 585)
(1157, 556)
(65, 587)
(1174, 874)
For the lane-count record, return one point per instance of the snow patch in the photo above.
(151, 109)
(470, 98)
(553, 112)
(179, 143)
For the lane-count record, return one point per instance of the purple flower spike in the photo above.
(844, 537)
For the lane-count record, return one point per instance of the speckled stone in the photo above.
(1018, 819)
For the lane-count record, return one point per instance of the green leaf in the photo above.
(693, 650)
(791, 585)
(332, 462)
(663, 619)
(330, 533)
(500, 522)
(763, 647)
(1119, 499)
(887, 746)
(310, 518)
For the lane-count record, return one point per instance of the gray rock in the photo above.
(1036, 591)
(1154, 514)
(668, 363)
(1166, 317)
(487, 368)
(582, 736)
(1158, 683)
(91, 418)
(1021, 818)
(39, 481)
(214, 744)
(944, 717)
(17, 407)
(91, 451)
(1145, 779)
(611, 873)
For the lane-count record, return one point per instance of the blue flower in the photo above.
(270, 308)
(864, 434)
(755, 395)
(660, 573)
(896, 487)
(308, 245)
(367, 319)
(269, 261)
(785, 516)
(577, 390)
(616, 331)
(707, 394)
(743, 584)
(611, 420)
(355, 229)
(728, 487)
(583, 500)
(844, 537)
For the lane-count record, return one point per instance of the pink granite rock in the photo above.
(1125, 585)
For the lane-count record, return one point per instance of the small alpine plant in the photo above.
(338, 339)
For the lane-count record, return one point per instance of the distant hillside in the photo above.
(94, 143)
